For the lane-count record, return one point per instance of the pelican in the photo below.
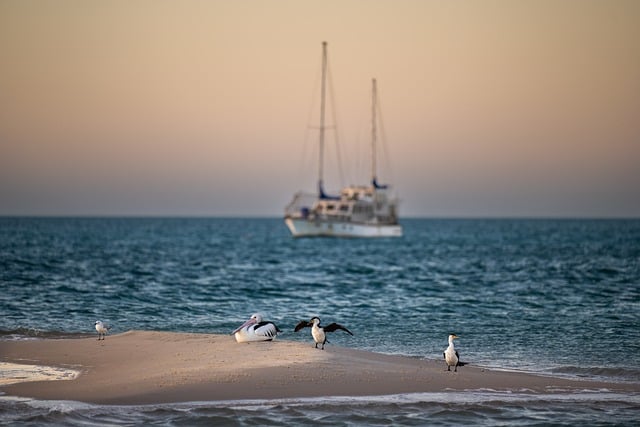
(451, 356)
(255, 329)
(319, 332)
(102, 329)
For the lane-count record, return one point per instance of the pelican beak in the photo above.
(247, 323)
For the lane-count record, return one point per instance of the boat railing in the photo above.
(301, 205)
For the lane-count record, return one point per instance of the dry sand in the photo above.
(139, 367)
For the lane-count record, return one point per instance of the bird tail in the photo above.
(462, 363)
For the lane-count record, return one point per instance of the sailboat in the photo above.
(360, 210)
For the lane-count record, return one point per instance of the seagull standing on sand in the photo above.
(451, 355)
(255, 329)
(319, 332)
(102, 329)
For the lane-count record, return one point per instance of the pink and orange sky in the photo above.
(491, 108)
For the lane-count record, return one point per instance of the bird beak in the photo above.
(247, 323)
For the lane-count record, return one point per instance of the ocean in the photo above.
(548, 296)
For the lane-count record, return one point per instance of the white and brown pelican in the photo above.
(102, 329)
(255, 329)
(451, 355)
(319, 332)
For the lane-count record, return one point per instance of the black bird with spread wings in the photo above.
(319, 332)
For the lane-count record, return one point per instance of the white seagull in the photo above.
(255, 329)
(319, 332)
(451, 355)
(102, 329)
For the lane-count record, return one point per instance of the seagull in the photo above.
(319, 332)
(451, 356)
(102, 329)
(255, 329)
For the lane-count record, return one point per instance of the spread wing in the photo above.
(302, 324)
(334, 327)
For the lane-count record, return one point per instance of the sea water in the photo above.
(555, 297)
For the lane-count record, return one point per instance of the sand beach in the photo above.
(142, 367)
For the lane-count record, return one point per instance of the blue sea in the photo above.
(555, 297)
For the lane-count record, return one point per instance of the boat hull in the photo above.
(301, 227)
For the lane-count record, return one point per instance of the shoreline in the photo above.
(146, 367)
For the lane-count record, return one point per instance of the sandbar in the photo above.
(152, 367)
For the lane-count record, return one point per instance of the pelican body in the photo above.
(319, 333)
(451, 356)
(255, 329)
(102, 329)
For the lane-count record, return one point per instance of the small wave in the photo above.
(615, 374)
(34, 333)
(486, 407)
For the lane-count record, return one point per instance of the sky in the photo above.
(207, 108)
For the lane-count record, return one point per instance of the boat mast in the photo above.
(373, 132)
(322, 126)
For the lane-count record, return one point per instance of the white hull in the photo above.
(300, 227)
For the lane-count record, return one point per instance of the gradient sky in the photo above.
(491, 108)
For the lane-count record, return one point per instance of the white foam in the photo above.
(12, 373)
(474, 396)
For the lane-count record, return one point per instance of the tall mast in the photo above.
(322, 126)
(373, 131)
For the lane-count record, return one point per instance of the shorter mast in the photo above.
(374, 97)
(374, 136)
(322, 126)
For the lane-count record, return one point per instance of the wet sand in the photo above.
(139, 367)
